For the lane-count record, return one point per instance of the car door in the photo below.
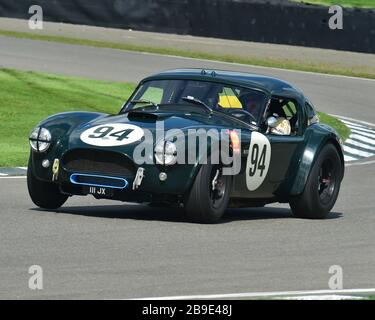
(269, 156)
(284, 147)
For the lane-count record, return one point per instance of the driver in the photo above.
(281, 126)
(252, 103)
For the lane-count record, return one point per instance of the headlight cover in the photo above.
(40, 139)
(165, 153)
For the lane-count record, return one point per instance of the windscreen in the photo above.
(217, 96)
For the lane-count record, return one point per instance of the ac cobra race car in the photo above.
(201, 140)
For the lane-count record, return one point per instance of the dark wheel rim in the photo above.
(326, 181)
(218, 187)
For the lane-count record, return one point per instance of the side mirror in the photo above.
(271, 122)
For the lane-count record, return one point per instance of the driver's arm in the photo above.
(282, 127)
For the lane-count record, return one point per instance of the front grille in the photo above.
(98, 162)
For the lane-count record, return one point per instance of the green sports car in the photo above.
(201, 140)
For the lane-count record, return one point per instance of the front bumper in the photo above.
(180, 177)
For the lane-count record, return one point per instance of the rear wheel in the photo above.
(322, 187)
(209, 195)
(44, 194)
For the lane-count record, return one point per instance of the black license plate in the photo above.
(100, 192)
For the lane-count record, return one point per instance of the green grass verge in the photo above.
(325, 68)
(29, 97)
(344, 3)
(341, 128)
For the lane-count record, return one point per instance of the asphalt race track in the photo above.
(104, 249)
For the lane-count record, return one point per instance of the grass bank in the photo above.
(325, 68)
(29, 97)
(340, 126)
(344, 3)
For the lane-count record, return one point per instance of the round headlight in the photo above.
(166, 153)
(40, 139)
(33, 138)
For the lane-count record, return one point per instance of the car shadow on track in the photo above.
(147, 213)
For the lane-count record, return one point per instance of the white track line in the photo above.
(354, 124)
(13, 177)
(362, 129)
(365, 134)
(325, 297)
(260, 294)
(362, 138)
(354, 120)
(357, 152)
(348, 158)
(359, 144)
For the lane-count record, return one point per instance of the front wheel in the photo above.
(322, 187)
(209, 195)
(44, 194)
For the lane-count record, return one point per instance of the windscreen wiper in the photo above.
(197, 102)
(148, 103)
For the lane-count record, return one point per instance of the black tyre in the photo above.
(209, 195)
(44, 194)
(322, 187)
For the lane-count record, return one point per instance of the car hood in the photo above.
(152, 121)
(171, 120)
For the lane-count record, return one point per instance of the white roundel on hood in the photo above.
(112, 134)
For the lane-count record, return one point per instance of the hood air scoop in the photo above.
(147, 116)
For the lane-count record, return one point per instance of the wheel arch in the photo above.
(308, 158)
(60, 126)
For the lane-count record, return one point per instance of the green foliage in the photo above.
(333, 122)
(344, 3)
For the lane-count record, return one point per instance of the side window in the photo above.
(311, 114)
(284, 108)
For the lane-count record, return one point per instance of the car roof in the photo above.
(270, 85)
